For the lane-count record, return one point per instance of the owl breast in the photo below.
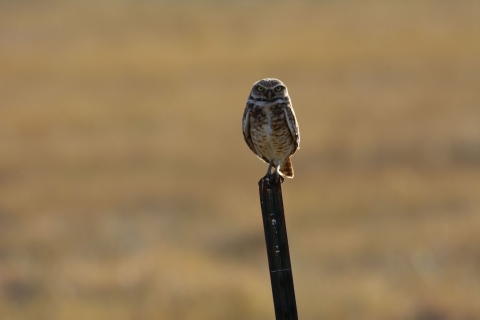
(270, 133)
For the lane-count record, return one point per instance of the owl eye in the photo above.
(279, 88)
(260, 88)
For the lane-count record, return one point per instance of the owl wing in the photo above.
(292, 125)
(246, 127)
(246, 131)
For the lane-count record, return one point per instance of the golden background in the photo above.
(127, 191)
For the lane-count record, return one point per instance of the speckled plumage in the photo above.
(269, 125)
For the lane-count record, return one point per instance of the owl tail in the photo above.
(286, 168)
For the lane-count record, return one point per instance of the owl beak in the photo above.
(269, 94)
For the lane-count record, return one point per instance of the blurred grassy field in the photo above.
(127, 191)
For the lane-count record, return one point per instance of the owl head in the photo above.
(268, 89)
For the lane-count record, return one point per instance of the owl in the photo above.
(270, 127)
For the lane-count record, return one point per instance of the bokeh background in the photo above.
(127, 191)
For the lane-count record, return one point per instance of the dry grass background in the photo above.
(127, 191)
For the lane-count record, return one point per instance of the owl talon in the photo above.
(276, 177)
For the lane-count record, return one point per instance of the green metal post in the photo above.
(277, 248)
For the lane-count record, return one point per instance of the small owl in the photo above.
(270, 127)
